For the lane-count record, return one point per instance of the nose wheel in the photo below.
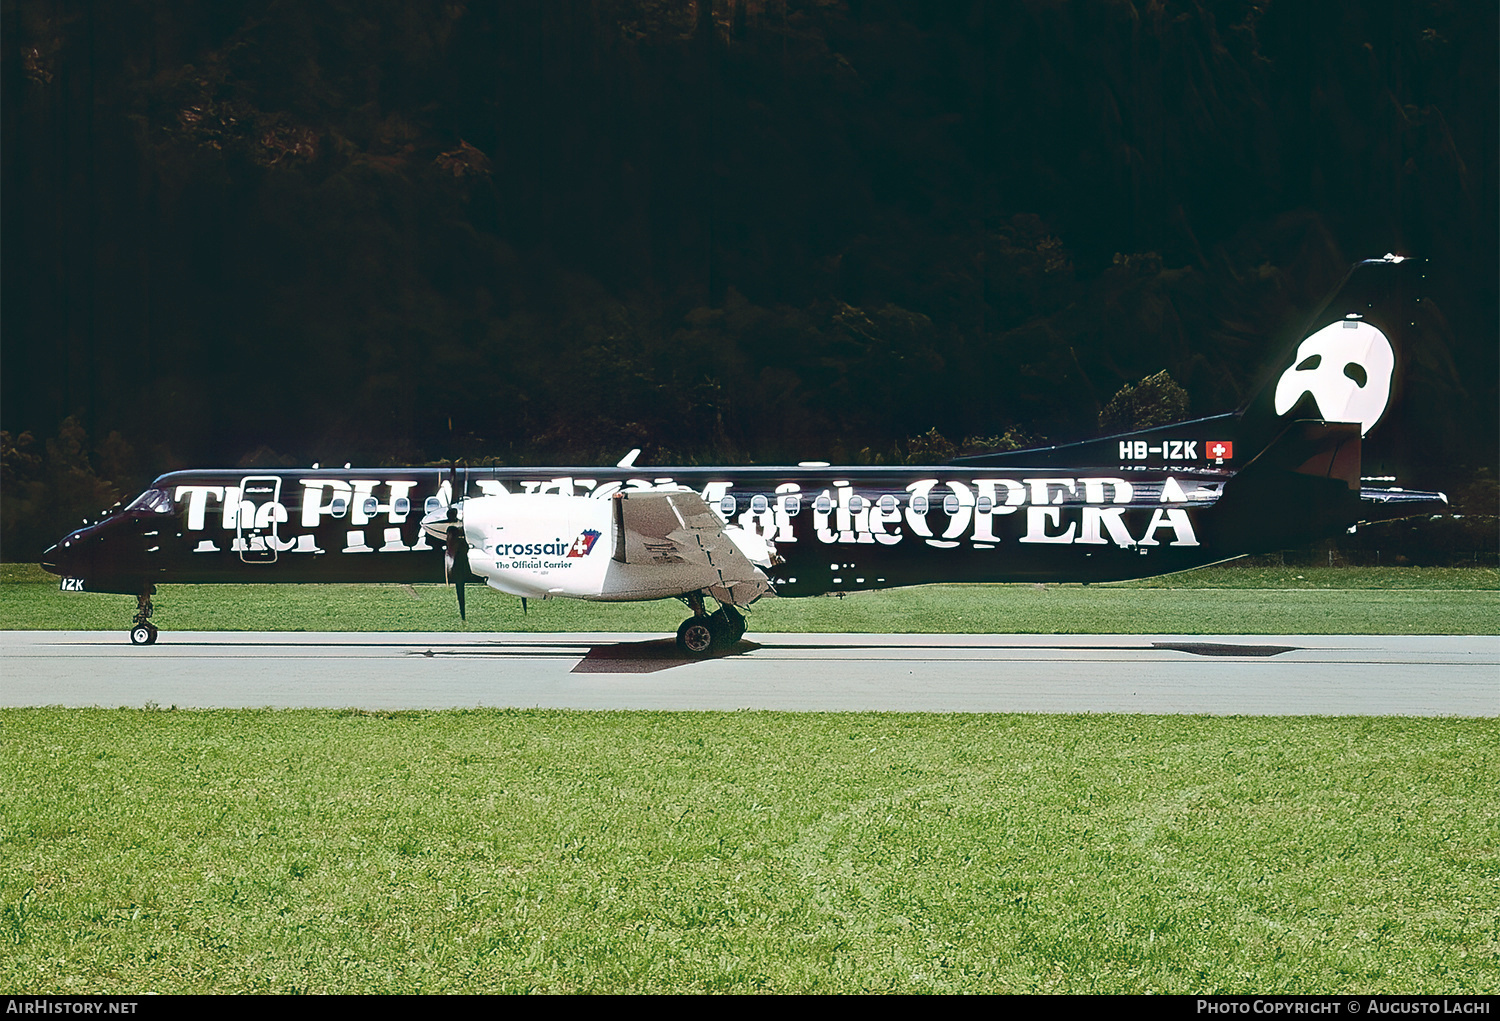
(142, 631)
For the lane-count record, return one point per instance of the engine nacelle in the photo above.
(540, 546)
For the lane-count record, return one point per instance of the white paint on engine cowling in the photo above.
(538, 545)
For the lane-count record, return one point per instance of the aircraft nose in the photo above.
(69, 558)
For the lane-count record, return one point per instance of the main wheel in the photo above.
(141, 634)
(695, 637)
(727, 625)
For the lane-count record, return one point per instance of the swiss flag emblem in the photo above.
(584, 544)
(1220, 449)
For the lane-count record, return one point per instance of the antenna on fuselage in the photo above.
(628, 461)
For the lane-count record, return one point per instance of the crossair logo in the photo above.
(537, 549)
(584, 544)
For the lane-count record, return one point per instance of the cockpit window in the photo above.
(158, 501)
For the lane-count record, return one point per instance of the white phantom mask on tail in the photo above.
(1347, 367)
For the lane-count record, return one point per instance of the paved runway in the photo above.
(1254, 675)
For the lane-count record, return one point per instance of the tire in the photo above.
(154, 632)
(728, 627)
(141, 634)
(696, 637)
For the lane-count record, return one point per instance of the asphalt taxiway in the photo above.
(1224, 675)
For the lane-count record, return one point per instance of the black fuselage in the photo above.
(834, 529)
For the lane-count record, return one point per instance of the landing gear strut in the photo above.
(142, 631)
(705, 633)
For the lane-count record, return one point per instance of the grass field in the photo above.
(1226, 600)
(495, 851)
(506, 851)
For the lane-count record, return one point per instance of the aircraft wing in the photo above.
(667, 529)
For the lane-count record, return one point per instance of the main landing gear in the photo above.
(704, 633)
(142, 631)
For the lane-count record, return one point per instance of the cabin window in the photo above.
(432, 505)
(401, 506)
(887, 503)
(792, 505)
(984, 505)
(856, 503)
(370, 506)
(823, 504)
(338, 507)
(759, 505)
(726, 506)
(919, 505)
(950, 504)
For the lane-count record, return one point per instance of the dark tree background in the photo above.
(278, 231)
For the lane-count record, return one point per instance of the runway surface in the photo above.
(1239, 674)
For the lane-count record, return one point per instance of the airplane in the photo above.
(1282, 471)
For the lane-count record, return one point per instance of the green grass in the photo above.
(1228, 600)
(501, 851)
(506, 851)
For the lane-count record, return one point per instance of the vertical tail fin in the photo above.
(1347, 365)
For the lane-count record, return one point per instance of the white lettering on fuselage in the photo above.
(1171, 451)
(368, 514)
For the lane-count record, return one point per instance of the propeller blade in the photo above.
(456, 564)
(456, 569)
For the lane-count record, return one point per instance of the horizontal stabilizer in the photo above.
(1390, 504)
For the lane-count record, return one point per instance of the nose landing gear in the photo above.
(142, 631)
